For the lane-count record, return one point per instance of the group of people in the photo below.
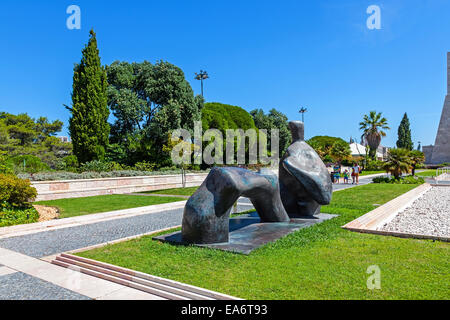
(337, 174)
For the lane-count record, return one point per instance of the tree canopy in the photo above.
(373, 126)
(22, 135)
(148, 101)
(88, 125)
(404, 134)
(273, 120)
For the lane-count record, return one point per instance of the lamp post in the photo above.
(202, 75)
(302, 111)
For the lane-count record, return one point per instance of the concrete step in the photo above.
(164, 288)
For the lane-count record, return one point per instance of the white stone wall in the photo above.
(51, 190)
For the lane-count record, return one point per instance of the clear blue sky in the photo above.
(259, 54)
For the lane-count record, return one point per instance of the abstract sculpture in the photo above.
(207, 212)
(305, 183)
(302, 187)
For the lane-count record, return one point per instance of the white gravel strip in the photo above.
(427, 215)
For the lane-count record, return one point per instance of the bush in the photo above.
(144, 166)
(381, 180)
(95, 166)
(15, 192)
(10, 217)
(5, 166)
(402, 180)
(374, 165)
(28, 163)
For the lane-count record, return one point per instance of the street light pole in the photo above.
(202, 75)
(302, 111)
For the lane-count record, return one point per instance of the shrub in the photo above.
(5, 166)
(401, 180)
(28, 163)
(381, 180)
(10, 217)
(374, 165)
(15, 192)
(95, 166)
(144, 166)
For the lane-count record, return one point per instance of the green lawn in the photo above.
(366, 173)
(175, 191)
(320, 262)
(426, 173)
(80, 206)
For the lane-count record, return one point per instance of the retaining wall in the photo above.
(60, 189)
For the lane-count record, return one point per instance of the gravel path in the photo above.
(428, 215)
(20, 286)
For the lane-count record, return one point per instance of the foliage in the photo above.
(374, 165)
(99, 166)
(68, 163)
(401, 180)
(15, 192)
(398, 162)
(23, 135)
(273, 120)
(28, 163)
(417, 159)
(144, 166)
(323, 145)
(6, 167)
(10, 217)
(64, 175)
(404, 134)
(88, 124)
(373, 126)
(148, 100)
(340, 151)
(223, 116)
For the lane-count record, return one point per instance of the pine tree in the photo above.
(88, 126)
(404, 134)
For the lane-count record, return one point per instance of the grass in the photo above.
(366, 173)
(426, 173)
(81, 206)
(175, 191)
(320, 262)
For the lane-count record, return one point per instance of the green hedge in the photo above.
(224, 116)
(402, 180)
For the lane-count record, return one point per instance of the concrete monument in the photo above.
(440, 152)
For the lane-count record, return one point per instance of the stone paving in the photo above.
(19, 285)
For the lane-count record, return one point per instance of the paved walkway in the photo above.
(25, 275)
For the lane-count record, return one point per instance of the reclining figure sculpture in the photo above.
(302, 187)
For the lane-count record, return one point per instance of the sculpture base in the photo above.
(248, 234)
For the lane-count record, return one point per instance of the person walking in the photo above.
(337, 173)
(356, 170)
(346, 174)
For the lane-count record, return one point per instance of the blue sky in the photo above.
(260, 54)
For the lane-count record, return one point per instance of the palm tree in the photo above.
(417, 157)
(398, 161)
(373, 126)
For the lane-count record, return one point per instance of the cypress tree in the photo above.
(88, 125)
(404, 134)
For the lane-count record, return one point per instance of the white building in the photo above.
(358, 150)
